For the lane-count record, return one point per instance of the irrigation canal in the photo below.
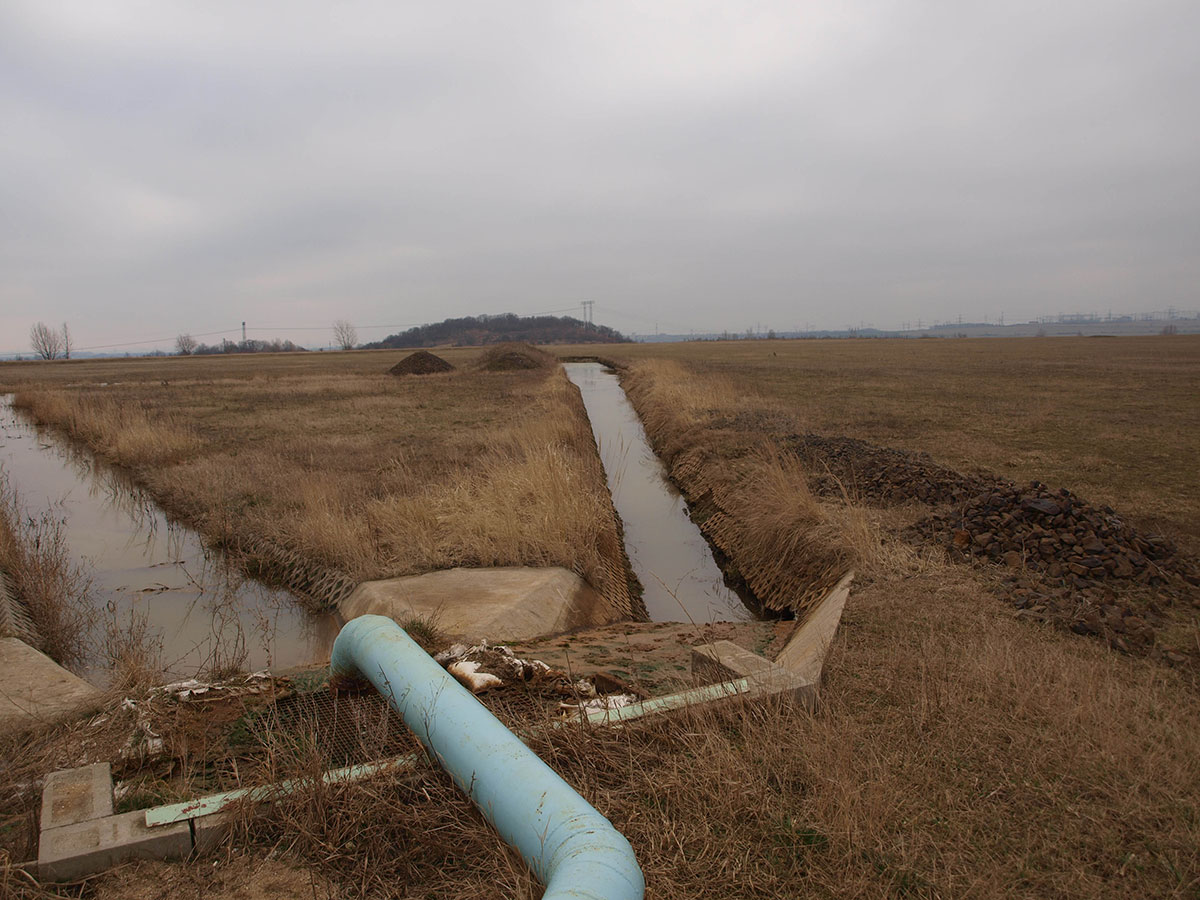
(668, 553)
(145, 567)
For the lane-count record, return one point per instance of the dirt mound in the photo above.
(881, 475)
(515, 358)
(420, 363)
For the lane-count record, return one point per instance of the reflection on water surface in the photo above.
(143, 565)
(669, 554)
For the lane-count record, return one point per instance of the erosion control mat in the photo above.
(1060, 558)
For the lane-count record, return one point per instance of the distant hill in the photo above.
(475, 331)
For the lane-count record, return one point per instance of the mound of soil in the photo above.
(515, 358)
(1061, 559)
(420, 363)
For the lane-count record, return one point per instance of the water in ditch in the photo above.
(147, 570)
(668, 553)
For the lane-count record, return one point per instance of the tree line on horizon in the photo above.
(475, 331)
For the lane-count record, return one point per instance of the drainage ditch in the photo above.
(145, 567)
(669, 555)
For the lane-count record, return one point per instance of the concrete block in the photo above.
(35, 690)
(71, 852)
(725, 661)
(77, 795)
(499, 604)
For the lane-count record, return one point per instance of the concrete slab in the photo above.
(500, 604)
(77, 795)
(71, 852)
(725, 661)
(34, 689)
(805, 652)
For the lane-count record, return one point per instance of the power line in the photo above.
(151, 341)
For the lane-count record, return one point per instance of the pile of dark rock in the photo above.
(882, 476)
(1070, 562)
(1056, 533)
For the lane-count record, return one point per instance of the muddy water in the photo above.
(667, 551)
(145, 568)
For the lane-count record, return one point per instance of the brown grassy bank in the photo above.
(1114, 419)
(705, 411)
(749, 499)
(363, 474)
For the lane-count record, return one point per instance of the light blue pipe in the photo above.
(570, 847)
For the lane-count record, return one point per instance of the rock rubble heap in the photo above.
(1072, 563)
(1056, 533)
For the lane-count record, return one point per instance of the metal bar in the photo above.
(215, 803)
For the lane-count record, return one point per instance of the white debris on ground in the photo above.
(471, 678)
(254, 683)
(486, 666)
(464, 663)
(145, 743)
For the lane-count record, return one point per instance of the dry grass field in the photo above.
(325, 457)
(1115, 419)
(961, 749)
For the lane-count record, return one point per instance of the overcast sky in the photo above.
(170, 167)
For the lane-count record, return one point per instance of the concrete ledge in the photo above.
(71, 852)
(209, 832)
(77, 795)
(805, 653)
(725, 661)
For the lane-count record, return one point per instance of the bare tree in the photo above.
(66, 341)
(185, 344)
(345, 334)
(47, 343)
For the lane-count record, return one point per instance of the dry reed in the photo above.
(50, 589)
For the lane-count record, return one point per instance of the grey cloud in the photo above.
(706, 165)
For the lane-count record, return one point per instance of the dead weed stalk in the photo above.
(52, 590)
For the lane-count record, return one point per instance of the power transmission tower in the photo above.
(587, 311)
